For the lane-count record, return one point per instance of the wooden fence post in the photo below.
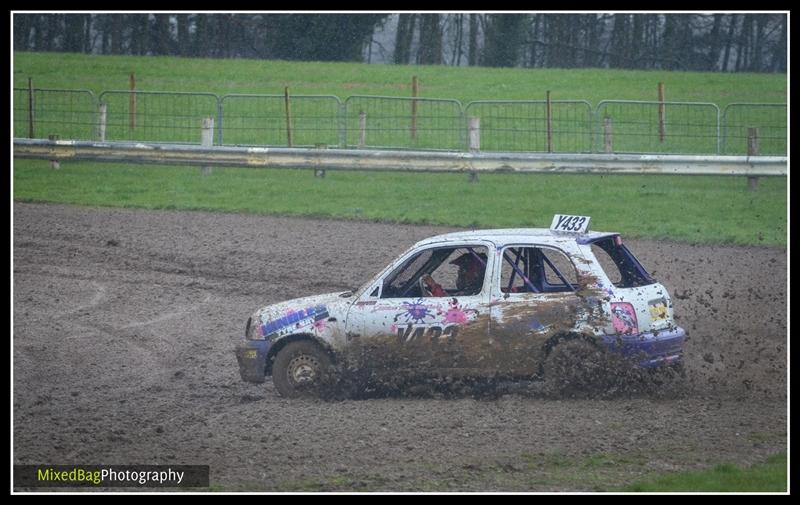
(31, 131)
(549, 114)
(132, 104)
(752, 150)
(662, 131)
(288, 116)
(608, 135)
(474, 136)
(207, 139)
(414, 91)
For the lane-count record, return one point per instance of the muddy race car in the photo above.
(510, 303)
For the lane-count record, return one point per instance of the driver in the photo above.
(471, 267)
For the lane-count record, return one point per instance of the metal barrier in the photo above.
(62, 113)
(769, 118)
(521, 125)
(657, 127)
(251, 119)
(404, 123)
(157, 116)
(394, 160)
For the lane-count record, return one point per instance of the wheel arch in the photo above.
(560, 338)
(278, 345)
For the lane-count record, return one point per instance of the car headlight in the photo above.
(251, 331)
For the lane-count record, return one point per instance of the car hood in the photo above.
(299, 314)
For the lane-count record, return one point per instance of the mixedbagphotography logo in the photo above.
(32, 476)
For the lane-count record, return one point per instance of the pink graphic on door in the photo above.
(624, 318)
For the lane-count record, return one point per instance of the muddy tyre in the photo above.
(574, 368)
(302, 369)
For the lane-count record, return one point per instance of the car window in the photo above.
(619, 263)
(536, 270)
(454, 271)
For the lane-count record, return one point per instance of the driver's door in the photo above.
(399, 325)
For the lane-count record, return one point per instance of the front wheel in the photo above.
(302, 369)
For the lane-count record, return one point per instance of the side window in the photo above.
(559, 272)
(515, 274)
(445, 271)
(536, 270)
(619, 263)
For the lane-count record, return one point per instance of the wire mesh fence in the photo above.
(62, 113)
(157, 116)
(523, 125)
(404, 123)
(379, 122)
(313, 120)
(657, 127)
(769, 118)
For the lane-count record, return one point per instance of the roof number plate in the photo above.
(571, 224)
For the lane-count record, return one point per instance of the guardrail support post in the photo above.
(320, 172)
(752, 150)
(54, 164)
(207, 139)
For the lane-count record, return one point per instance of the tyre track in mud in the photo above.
(92, 384)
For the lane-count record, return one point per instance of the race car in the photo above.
(511, 303)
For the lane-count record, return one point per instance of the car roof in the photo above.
(517, 235)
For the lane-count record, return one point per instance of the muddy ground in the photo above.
(125, 323)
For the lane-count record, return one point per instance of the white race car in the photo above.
(512, 303)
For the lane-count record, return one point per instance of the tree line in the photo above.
(705, 42)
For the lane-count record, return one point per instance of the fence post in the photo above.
(752, 150)
(474, 136)
(661, 113)
(362, 129)
(30, 108)
(474, 131)
(207, 139)
(608, 135)
(102, 121)
(132, 104)
(549, 113)
(288, 115)
(414, 91)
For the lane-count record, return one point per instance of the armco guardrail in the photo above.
(412, 161)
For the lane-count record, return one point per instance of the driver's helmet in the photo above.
(471, 267)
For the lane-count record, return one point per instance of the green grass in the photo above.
(689, 209)
(701, 209)
(97, 73)
(770, 476)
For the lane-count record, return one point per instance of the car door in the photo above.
(394, 324)
(535, 298)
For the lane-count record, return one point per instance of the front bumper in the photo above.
(252, 358)
(650, 349)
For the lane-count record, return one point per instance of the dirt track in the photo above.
(125, 323)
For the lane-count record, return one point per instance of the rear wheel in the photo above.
(574, 367)
(302, 369)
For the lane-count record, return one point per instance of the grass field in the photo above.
(689, 209)
(693, 209)
(97, 73)
(770, 476)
